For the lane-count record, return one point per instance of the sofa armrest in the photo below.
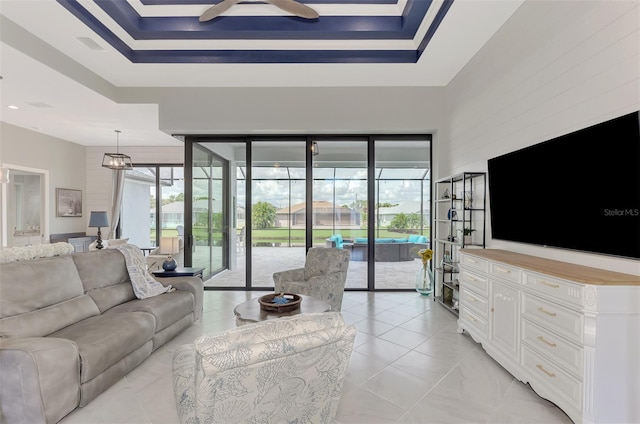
(39, 379)
(194, 285)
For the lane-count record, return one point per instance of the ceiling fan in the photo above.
(292, 6)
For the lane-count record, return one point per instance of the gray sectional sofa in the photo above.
(70, 327)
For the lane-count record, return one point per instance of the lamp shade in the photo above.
(169, 245)
(98, 219)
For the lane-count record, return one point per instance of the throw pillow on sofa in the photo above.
(118, 242)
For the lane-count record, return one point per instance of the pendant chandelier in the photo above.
(117, 160)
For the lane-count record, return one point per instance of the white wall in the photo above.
(283, 110)
(554, 67)
(65, 162)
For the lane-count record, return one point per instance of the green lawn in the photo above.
(281, 235)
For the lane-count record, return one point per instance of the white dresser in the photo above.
(572, 332)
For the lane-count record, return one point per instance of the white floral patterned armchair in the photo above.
(285, 370)
(324, 276)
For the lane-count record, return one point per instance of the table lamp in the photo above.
(169, 246)
(98, 219)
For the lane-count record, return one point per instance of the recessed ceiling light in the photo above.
(13, 107)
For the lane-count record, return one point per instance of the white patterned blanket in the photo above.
(144, 285)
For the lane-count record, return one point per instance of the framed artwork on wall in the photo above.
(68, 203)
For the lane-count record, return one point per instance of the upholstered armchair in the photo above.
(283, 370)
(324, 276)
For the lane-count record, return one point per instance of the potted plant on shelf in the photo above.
(466, 233)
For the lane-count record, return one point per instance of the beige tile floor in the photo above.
(409, 365)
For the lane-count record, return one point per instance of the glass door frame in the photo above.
(371, 139)
(188, 206)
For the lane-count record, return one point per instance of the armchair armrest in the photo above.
(40, 379)
(289, 275)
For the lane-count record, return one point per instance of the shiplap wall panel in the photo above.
(99, 180)
(554, 68)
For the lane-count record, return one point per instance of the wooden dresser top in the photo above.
(572, 272)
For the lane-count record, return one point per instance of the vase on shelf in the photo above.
(424, 279)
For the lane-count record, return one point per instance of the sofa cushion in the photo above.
(104, 277)
(417, 238)
(337, 239)
(45, 321)
(106, 339)
(167, 308)
(53, 279)
(41, 296)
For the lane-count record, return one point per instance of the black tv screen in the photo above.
(579, 191)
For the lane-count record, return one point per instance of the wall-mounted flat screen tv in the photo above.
(579, 191)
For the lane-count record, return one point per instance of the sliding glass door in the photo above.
(340, 201)
(401, 214)
(258, 204)
(278, 208)
(209, 221)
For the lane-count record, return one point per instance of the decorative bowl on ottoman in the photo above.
(279, 302)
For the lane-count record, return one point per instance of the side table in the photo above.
(179, 272)
(250, 311)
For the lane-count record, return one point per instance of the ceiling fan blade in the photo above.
(296, 8)
(217, 9)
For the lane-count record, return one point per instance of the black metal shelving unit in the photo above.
(459, 204)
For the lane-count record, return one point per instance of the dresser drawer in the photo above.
(474, 323)
(474, 262)
(556, 288)
(505, 272)
(564, 386)
(474, 281)
(555, 348)
(474, 302)
(553, 317)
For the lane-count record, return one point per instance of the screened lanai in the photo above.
(286, 195)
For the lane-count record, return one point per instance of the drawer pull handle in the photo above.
(472, 318)
(471, 298)
(472, 261)
(544, 311)
(541, 368)
(543, 340)
(553, 286)
(471, 278)
(503, 270)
